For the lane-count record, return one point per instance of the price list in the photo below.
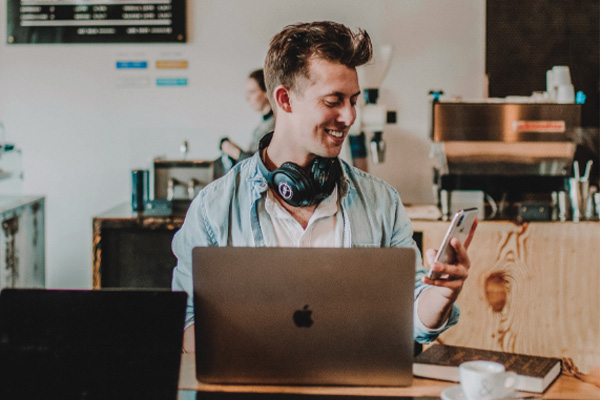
(91, 21)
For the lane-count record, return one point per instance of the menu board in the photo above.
(94, 21)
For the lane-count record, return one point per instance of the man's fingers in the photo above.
(462, 258)
(430, 255)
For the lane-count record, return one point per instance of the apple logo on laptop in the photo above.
(303, 318)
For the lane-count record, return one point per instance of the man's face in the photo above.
(322, 110)
(256, 98)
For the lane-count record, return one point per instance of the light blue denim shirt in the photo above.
(227, 213)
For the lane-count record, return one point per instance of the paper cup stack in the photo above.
(559, 85)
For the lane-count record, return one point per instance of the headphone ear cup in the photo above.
(326, 172)
(293, 185)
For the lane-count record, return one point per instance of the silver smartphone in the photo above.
(461, 225)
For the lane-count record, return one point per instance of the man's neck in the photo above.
(280, 151)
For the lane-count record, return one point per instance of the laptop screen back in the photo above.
(90, 344)
(304, 315)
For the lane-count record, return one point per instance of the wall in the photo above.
(81, 133)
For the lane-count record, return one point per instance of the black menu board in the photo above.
(94, 21)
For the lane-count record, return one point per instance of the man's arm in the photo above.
(193, 233)
(189, 339)
(436, 302)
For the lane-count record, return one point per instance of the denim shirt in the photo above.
(228, 212)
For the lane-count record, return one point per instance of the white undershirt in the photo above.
(325, 227)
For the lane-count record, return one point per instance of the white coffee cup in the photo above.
(486, 380)
(565, 94)
(550, 84)
(561, 75)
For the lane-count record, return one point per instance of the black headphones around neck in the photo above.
(297, 187)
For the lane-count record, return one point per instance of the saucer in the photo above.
(456, 393)
(453, 393)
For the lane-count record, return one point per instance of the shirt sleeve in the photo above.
(403, 237)
(194, 232)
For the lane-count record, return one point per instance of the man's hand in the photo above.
(436, 303)
(189, 339)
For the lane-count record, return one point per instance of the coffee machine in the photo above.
(510, 159)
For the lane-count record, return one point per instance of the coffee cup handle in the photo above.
(510, 384)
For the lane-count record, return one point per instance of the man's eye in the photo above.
(332, 103)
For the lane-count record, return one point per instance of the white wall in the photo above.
(81, 134)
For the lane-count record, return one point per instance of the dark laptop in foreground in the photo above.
(78, 344)
(304, 316)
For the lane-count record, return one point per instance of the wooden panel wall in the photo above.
(533, 288)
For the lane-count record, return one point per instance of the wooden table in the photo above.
(563, 388)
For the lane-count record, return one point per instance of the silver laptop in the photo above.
(307, 316)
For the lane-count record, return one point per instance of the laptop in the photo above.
(304, 316)
(82, 344)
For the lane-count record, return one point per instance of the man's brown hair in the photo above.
(291, 50)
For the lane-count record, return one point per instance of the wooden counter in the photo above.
(533, 288)
(133, 249)
(563, 388)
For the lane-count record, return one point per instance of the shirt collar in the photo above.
(326, 208)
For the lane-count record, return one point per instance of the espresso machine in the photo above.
(511, 160)
(176, 182)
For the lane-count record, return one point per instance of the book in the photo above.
(535, 373)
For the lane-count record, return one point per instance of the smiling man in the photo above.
(296, 191)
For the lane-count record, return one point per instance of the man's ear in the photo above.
(281, 94)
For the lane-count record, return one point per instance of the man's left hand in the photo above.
(437, 301)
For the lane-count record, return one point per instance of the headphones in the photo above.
(297, 187)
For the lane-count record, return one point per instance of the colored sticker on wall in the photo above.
(132, 64)
(171, 81)
(171, 64)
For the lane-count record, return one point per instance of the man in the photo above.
(296, 192)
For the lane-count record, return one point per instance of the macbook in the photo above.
(304, 316)
(79, 344)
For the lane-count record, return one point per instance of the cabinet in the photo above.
(133, 249)
(532, 288)
(22, 242)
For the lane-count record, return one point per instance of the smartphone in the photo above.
(461, 225)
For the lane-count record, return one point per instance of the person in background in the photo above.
(256, 96)
(311, 81)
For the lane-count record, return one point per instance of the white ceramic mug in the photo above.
(561, 75)
(565, 94)
(486, 380)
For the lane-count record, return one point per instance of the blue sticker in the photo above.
(132, 64)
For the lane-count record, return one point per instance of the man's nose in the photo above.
(347, 114)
